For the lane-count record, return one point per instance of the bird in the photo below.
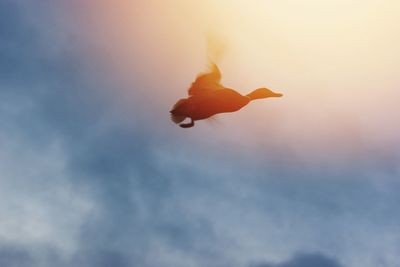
(208, 97)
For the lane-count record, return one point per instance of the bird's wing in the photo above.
(206, 82)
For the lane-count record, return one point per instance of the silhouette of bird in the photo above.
(208, 97)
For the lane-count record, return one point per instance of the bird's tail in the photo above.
(176, 112)
(177, 118)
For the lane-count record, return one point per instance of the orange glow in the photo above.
(334, 60)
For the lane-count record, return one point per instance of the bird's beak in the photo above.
(277, 95)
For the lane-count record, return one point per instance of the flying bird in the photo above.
(207, 97)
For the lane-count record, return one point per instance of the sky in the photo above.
(94, 173)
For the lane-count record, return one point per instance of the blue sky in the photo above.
(90, 178)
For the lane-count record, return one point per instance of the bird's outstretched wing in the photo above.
(206, 82)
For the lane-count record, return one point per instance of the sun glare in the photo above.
(309, 47)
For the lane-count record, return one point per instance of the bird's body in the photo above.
(203, 106)
(207, 97)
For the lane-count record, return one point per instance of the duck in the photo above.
(208, 97)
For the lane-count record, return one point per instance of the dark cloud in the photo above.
(100, 258)
(305, 260)
(15, 257)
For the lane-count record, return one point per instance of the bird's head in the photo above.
(263, 93)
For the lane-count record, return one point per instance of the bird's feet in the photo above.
(187, 125)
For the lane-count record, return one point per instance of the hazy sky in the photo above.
(93, 172)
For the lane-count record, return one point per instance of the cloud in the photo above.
(15, 257)
(101, 185)
(305, 260)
